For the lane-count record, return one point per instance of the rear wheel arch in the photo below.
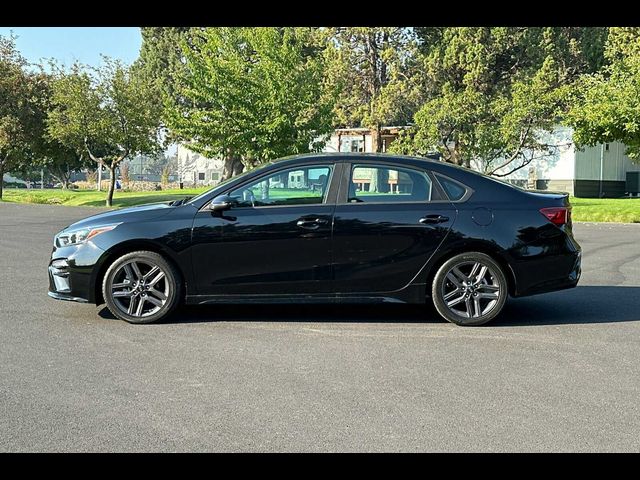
(127, 247)
(480, 247)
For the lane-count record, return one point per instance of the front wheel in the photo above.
(141, 287)
(469, 289)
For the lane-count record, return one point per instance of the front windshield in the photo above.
(206, 192)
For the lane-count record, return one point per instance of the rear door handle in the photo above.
(431, 219)
(311, 223)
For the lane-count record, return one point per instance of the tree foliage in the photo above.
(493, 91)
(375, 69)
(16, 109)
(161, 57)
(110, 115)
(251, 94)
(161, 61)
(606, 105)
(45, 152)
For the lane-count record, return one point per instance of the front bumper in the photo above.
(60, 282)
(60, 296)
(72, 272)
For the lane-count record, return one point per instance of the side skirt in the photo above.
(411, 294)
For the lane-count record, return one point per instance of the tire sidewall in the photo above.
(436, 289)
(171, 276)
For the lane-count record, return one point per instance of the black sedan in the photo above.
(326, 228)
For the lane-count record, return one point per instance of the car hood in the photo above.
(132, 214)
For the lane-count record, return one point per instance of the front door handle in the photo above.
(431, 219)
(311, 223)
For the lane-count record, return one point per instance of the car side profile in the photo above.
(322, 228)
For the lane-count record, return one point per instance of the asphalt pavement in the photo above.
(556, 372)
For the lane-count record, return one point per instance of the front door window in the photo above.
(295, 186)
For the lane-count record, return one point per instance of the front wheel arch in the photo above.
(127, 247)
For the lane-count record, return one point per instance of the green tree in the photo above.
(492, 92)
(45, 152)
(161, 61)
(376, 72)
(161, 58)
(251, 94)
(15, 107)
(606, 106)
(110, 116)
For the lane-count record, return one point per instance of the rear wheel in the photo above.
(141, 287)
(469, 289)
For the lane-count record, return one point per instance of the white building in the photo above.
(197, 169)
(359, 139)
(577, 171)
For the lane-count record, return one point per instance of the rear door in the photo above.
(389, 220)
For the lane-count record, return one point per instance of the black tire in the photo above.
(138, 266)
(472, 302)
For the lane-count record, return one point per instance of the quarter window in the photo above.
(295, 186)
(454, 190)
(381, 184)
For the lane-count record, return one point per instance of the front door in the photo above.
(276, 238)
(388, 223)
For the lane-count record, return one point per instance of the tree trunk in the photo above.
(376, 139)
(112, 184)
(238, 167)
(227, 168)
(456, 156)
(382, 180)
(264, 189)
(1, 178)
(63, 176)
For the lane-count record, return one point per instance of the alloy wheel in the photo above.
(140, 288)
(471, 289)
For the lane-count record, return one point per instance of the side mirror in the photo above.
(221, 203)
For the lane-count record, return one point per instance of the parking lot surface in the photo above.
(556, 372)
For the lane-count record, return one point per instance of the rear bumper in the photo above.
(566, 270)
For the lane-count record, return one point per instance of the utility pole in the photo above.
(42, 179)
(99, 177)
(601, 169)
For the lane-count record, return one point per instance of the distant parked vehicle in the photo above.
(326, 228)
(39, 185)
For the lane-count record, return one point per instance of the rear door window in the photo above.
(388, 184)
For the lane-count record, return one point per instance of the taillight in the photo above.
(557, 215)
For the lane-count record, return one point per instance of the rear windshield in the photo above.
(504, 182)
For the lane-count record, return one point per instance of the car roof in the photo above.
(462, 174)
(354, 156)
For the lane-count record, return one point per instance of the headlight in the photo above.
(76, 237)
